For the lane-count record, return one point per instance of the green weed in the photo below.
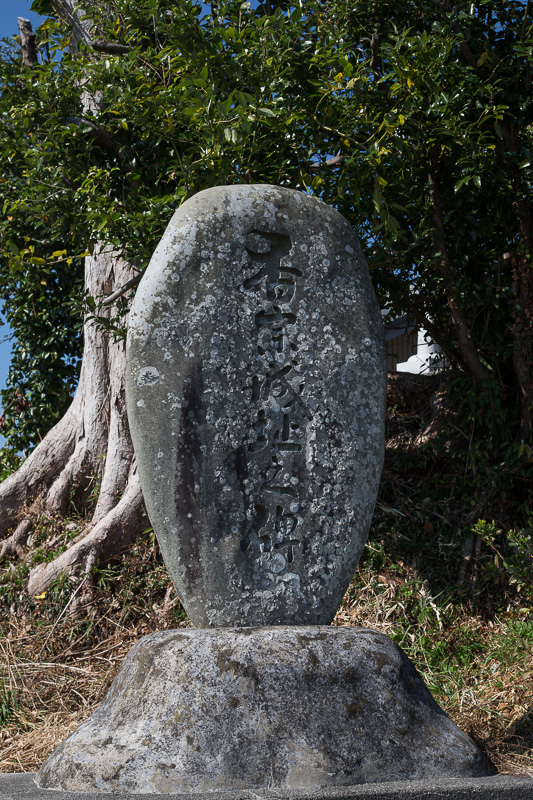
(8, 704)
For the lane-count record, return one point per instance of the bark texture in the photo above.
(89, 447)
(27, 42)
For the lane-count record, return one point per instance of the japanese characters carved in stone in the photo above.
(255, 388)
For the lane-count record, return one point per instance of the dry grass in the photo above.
(468, 631)
(54, 691)
(59, 668)
(59, 680)
(489, 695)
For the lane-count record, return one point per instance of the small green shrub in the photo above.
(511, 561)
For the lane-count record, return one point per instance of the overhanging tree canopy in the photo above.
(414, 119)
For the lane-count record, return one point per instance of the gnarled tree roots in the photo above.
(87, 456)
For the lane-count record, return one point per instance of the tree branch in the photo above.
(111, 48)
(465, 47)
(524, 21)
(374, 47)
(119, 292)
(27, 42)
(72, 14)
(460, 324)
(101, 136)
(336, 161)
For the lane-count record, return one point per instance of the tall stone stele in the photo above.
(255, 391)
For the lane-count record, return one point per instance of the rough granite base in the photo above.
(288, 707)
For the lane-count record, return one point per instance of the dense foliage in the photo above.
(422, 109)
(40, 279)
(192, 102)
(413, 117)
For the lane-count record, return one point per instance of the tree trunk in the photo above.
(89, 448)
(88, 456)
(27, 42)
(460, 325)
(522, 275)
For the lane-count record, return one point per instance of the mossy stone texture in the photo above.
(285, 707)
(256, 380)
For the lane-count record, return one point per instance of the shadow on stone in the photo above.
(280, 707)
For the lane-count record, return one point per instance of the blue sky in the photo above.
(9, 11)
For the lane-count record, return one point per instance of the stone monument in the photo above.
(256, 390)
(256, 396)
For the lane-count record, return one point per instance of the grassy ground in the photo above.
(454, 592)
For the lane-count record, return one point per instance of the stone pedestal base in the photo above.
(498, 787)
(262, 708)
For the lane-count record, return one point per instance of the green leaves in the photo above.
(196, 101)
(240, 95)
(43, 7)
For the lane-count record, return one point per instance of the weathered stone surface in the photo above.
(21, 786)
(280, 707)
(255, 390)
